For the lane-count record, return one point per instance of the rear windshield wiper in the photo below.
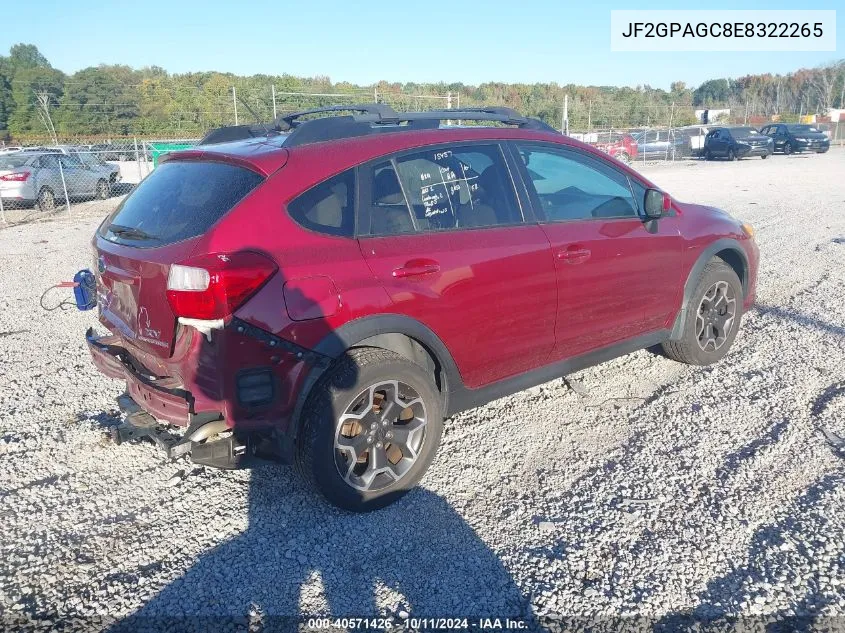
(130, 233)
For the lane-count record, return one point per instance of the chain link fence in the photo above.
(40, 180)
(44, 176)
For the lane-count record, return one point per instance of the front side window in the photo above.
(442, 189)
(328, 207)
(574, 187)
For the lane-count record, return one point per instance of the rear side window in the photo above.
(328, 207)
(178, 201)
(443, 189)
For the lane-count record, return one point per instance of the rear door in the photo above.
(48, 175)
(77, 179)
(444, 232)
(617, 275)
(157, 225)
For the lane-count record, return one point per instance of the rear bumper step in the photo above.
(227, 453)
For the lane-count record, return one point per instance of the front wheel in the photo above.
(712, 317)
(731, 155)
(787, 149)
(764, 156)
(708, 155)
(370, 429)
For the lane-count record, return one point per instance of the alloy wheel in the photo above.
(715, 316)
(46, 200)
(380, 435)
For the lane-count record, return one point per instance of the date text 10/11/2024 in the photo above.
(417, 624)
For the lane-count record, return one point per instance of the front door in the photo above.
(618, 275)
(444, 233)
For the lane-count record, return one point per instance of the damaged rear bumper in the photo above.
(164, 401)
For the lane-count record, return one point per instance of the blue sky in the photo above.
(362, 42)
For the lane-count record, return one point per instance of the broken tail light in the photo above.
(214, 286)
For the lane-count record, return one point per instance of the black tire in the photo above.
(624, 157)
(708, 155)
(102, 189)
(731, 154)
(787, 149)
(336, 390)
(764, 156)
(46, 200)
(687, 349)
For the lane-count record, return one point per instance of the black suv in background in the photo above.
(736, 142)
(796, 137)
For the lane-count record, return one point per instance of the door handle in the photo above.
(416, 267)
(574, 255)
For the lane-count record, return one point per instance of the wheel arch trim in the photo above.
(380, 330)
(712, 250)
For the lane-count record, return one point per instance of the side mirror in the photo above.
(656, 204)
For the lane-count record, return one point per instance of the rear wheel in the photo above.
(764, 156)
(708, 155)
(788, 149)
(731, 154)
(712, 319)
(102, 190)
(46, 200)
(370, 429)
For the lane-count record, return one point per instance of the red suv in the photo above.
(621, 146)
(327, 296)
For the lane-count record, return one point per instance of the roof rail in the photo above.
(365, 119)
(376, 118)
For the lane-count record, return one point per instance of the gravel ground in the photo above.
(646, 488)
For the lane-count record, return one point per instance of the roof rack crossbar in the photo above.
(371, 111)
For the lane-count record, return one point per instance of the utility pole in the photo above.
(375, 93)
(589, 115)
(273, 91)
(671, 134)
(235, 102)
(746, 112)
(564, 121)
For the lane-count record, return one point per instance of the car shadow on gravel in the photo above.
(801, 319)
(300, 557)
(775, 557)
(297, 548)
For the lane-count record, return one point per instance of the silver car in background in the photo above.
(40, 179)
(89, 157)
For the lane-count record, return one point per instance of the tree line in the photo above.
(38, 101)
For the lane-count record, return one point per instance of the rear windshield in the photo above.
(14, 161)
(179, 200)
